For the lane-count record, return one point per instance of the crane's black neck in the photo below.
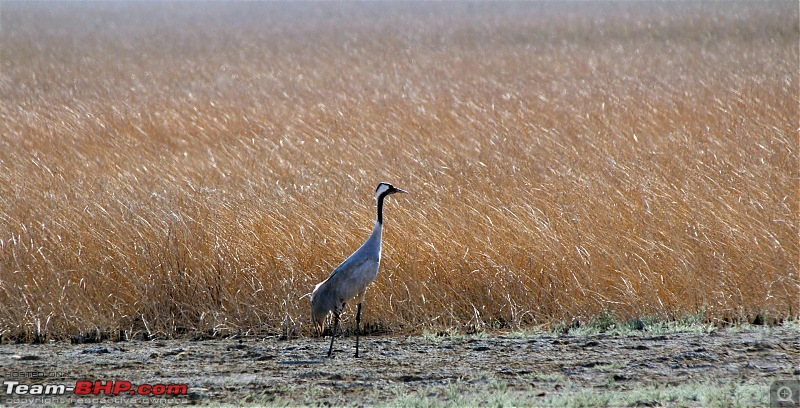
(380, 207)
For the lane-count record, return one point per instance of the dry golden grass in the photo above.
(182, 168)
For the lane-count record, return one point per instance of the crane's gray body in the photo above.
(348, 280)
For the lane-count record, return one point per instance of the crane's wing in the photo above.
(352, 277)
(348, 268)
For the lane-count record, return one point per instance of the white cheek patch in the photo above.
(381, 189)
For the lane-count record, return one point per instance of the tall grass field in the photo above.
(182, 169)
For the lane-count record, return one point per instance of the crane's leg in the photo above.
(358, 326)
(333, 332)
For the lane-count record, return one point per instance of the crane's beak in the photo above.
(397, 190)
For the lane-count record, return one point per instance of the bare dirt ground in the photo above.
(724, 367)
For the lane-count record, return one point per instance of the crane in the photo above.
(350, 279)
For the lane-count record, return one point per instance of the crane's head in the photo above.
(385, 189)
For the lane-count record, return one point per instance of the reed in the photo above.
(168, 169)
